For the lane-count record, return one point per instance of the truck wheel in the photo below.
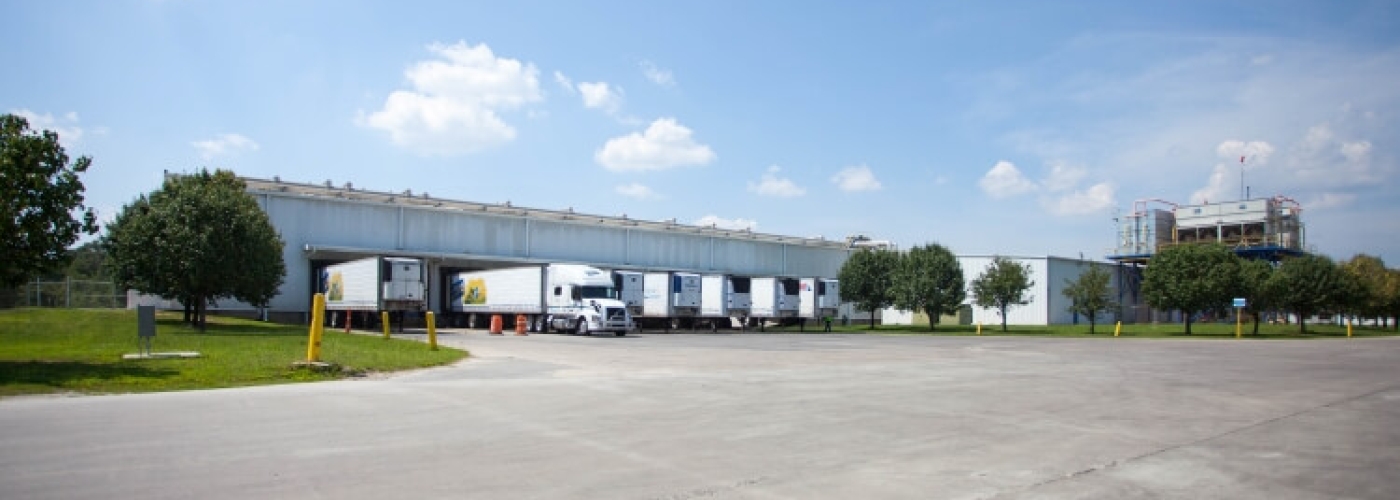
(544, 324)
(619, 333)
(582, 328)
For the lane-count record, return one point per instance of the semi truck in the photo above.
(359, 289)
(666, 300)
(561, 297)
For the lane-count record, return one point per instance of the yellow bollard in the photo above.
(1237, 323)
(318, 316)
(1118, 328)
(1348, 327)
(384, 320)
(432, 332)
(979, 327)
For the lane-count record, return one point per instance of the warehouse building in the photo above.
(1048, 305)
(324, 224)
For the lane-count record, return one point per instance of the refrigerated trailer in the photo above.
(561, 297)
(367, 286)
(724, 299)
(818, 298)
(774, 298)
(667, 300)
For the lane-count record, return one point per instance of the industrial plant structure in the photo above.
(1261, 228)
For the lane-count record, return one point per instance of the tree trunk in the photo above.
(1256, 323)
(1003, 319)
(1302, 323)
(932, 319)
(872, 319)
(1091, 325)
(200, 311)
(186, 304)
(1187, 316)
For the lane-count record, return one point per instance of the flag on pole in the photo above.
(1241, 159)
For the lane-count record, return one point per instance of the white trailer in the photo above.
(818, 298)
(666, 300)
(774, 298)
(477, 295)
(724, 298)
(374, 284)
(562, 297)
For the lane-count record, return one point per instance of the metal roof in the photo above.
(424, 201)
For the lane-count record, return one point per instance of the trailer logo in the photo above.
(476, 292)
(335, 288)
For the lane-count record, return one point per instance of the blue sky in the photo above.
(990, 127)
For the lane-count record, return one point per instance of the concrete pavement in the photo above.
(659, 416)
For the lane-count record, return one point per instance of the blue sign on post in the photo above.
(1240, 303)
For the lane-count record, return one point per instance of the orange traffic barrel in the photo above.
(520, 322)
(495, 324)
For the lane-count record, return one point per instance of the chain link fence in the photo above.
(65, 293)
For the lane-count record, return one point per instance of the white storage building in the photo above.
(1048, 305)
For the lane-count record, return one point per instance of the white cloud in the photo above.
(637, 191)
(1255, 153)
(1325, 201)
(65, 126)
(731, 224)
(1063, 177)
(665, 144)
(564, 82)
(1004, 180)
(772, 185)
(224, 144)
(1097, 199)
(858, 178)
(455, 101)
(600, 95)
(662, 77)
(1357, 152)
(1223, 183)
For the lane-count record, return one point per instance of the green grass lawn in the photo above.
(1146, 330)
(80, 350)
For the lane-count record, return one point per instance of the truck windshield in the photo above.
(598, 292)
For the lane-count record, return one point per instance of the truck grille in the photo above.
(616, 316)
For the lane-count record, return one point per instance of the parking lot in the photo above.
(676, 416)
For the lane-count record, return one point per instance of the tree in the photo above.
(1369, 276)
(867, 280)
(929, 279)
(1307, 285)
(1392, 296)
(1192, 279)
(1255, 288)
(39, 190)
(197, 239)
(1090, 294)
(1003, 284)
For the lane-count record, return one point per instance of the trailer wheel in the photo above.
(544, 324)
(582, 328)
(619, 333)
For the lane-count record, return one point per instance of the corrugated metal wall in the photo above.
(340, 229)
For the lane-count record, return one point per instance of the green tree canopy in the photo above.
(1003, 284)
(197, 239)
(40, 191)
(1090, 294)
(1369, 277)
(867, 280)
(929, 279)
(1307, 285)
(1256, 289)
(1192, 279)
